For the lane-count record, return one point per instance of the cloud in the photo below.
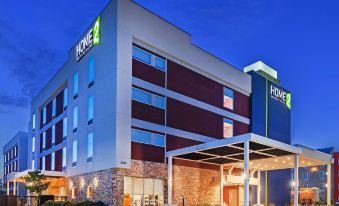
(17, 101)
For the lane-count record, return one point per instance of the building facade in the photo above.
(15, 160)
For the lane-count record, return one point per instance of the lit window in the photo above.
(148, 138)
(322, 186)
(91, 72)
(149, 58)
(160, 63)
(43, 140)
(148, 98)
(142, 55)
(228, 128)
(33, 122)
(228, 98)
(43, 167)
(44, 116)
(65, 98)
(54, 107)
(33, 144)
(75, 119)
(137, 190)
(75, 153)
(90, 109)
(64, 128)
(33, 164)
(90, 147)
(75, 85)
(89, 192)
(74, 192)
(53, 135)
(306, 175)
(53, 161)
(64, 158)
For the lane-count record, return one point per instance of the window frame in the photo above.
(151, 137)
(153, 58)
(230, 122)
(232, 97)
(153, 97)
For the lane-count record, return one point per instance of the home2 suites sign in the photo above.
(91, 38)
(280, 95)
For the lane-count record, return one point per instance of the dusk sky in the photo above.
(300, 39)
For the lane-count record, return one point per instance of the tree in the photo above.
(35, 182)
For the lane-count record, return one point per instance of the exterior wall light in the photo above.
(95, 182)
(82, 182)
(71, 184)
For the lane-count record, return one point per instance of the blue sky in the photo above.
(297, 38)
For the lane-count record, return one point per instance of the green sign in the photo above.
(281, 96)
(91, 38)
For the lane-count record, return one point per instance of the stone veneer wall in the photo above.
(198, 186)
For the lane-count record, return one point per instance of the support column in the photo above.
(296, 180)
(221, 184)
(14, 187)
(329, 184)
(246, 173)
(169, 183)
(258, 187)
(8, 182)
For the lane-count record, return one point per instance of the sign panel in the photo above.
(280, 95)
(91, 38)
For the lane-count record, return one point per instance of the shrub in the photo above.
(83, 203)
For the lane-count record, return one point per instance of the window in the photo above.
(43, 167)
(228, 98)
(74, 192)
(33, 144)
(143, 191)
(65, 98)
(90, 147)
(322, 175)
(89, 192)
(64, 158)
(33, 122)
(75, 153)
(44, 116)
(53, 107)
(53, 135)
(91, 72)
(75, 85)
(306, 175)
(322, 186)
(33, 164)
(64, 128)
(75, 119)
(148, 98)
(148, 138)
(90, 109)
(53, 161)
(228, 128)
(307, 186)
(43, 141)
(149, 58)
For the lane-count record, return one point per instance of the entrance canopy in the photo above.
(20, 176)
(264, 153)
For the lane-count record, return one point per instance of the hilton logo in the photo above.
(281, 96)
(91, 38)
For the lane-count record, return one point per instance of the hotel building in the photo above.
(139, 115)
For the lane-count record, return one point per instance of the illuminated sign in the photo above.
(91, 38)
(281, 96)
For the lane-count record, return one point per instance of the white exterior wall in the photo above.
(122, 23)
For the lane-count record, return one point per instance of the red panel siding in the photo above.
(58, 132)
(49, 113)
(60, 103)
(148, 73)
(58, 160)
(48, 138)
(192, 84)
(197, 86)
(240, 128)
(148, 113)
(193, 119)
(41, 118)
(174, 142)
(147, 152)
(242, 104)
(336, 176)
(48, 162)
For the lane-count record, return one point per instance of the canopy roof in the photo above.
(264, 153)
(20, 176)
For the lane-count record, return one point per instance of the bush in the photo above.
(83, 203)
